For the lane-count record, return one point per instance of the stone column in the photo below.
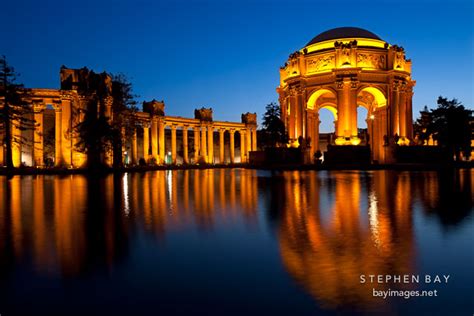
(16, 143)
(173, 144)
(254, 139)
(66, 132)
(134, 148)
(316, 123)
(221, 146)
(394, 113)
(146, 141)
(402, 114)
(185, 144)
(243, 154)
(58, 161)
(203, 144)
(162, 141)
(154, 139)
(232, 146)
(38, 145)
(196, 144)
(210, 144)
(409, 114)
(347, 109)
(248, 142)
(2, 151)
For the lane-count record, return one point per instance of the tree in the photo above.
(14, 111)
(273, 133)
(102, 131)
(422, 126)
(94, 130)
(450, 124)
(124, 109)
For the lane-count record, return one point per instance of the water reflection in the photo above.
(333, 227)
(72, 224)
(330, 227)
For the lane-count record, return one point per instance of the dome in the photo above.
(343, 32)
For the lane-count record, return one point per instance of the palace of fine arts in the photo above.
(265, 157)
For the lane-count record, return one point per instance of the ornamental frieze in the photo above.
(374, 61)
(320, 64)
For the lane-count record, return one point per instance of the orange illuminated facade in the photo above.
(340, 70)
(155, 138)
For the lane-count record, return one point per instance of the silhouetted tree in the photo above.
(450, 124)
(273, 133)
(94, 131)
(14, 111)
(124, 109)
(422, 126)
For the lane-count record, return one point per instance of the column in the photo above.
(203, 144)
(248, 142)
(162, 140)
(66, 132)
(196, 144)
(210, 144)
(316, 123)
(243, 154)
(232, 145)
(134, 148)
(394, 118)
(409, 114)
(402, 114)
(347, 109)
(154, 139)
(254, 139)
(2, 150)
(185, 144)
(16, 143)
(221, 145)
(146, 142)
(38, 146)
(58, 161)
(173, 144)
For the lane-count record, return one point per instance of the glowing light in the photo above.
(372, 116)
(361, 42)
(355, 141)
(126, 197)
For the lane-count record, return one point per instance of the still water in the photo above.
(235, 241)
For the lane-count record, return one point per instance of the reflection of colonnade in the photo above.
(77, 220)
(331, 234)
(168, 200)
(57, 113)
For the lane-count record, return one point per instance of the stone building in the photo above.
(57, 113)
(340, 70)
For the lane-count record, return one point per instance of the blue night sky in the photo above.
(226, 54)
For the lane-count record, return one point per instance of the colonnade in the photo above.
(203, 135)
(58, 110)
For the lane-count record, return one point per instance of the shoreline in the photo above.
(297, 167)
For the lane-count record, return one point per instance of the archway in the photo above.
(374, 101)
(322, 99)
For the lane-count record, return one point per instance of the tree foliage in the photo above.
(99, 134)
(273, 133)
(450, 124)
(15, 113)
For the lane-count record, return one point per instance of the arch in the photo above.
(377, 94)
(331, 107)
(310, 104)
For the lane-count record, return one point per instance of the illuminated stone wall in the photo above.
(153, 125)
(340, 75)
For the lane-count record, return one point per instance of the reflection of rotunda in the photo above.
(342, 69)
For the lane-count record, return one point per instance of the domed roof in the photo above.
(343, 32)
